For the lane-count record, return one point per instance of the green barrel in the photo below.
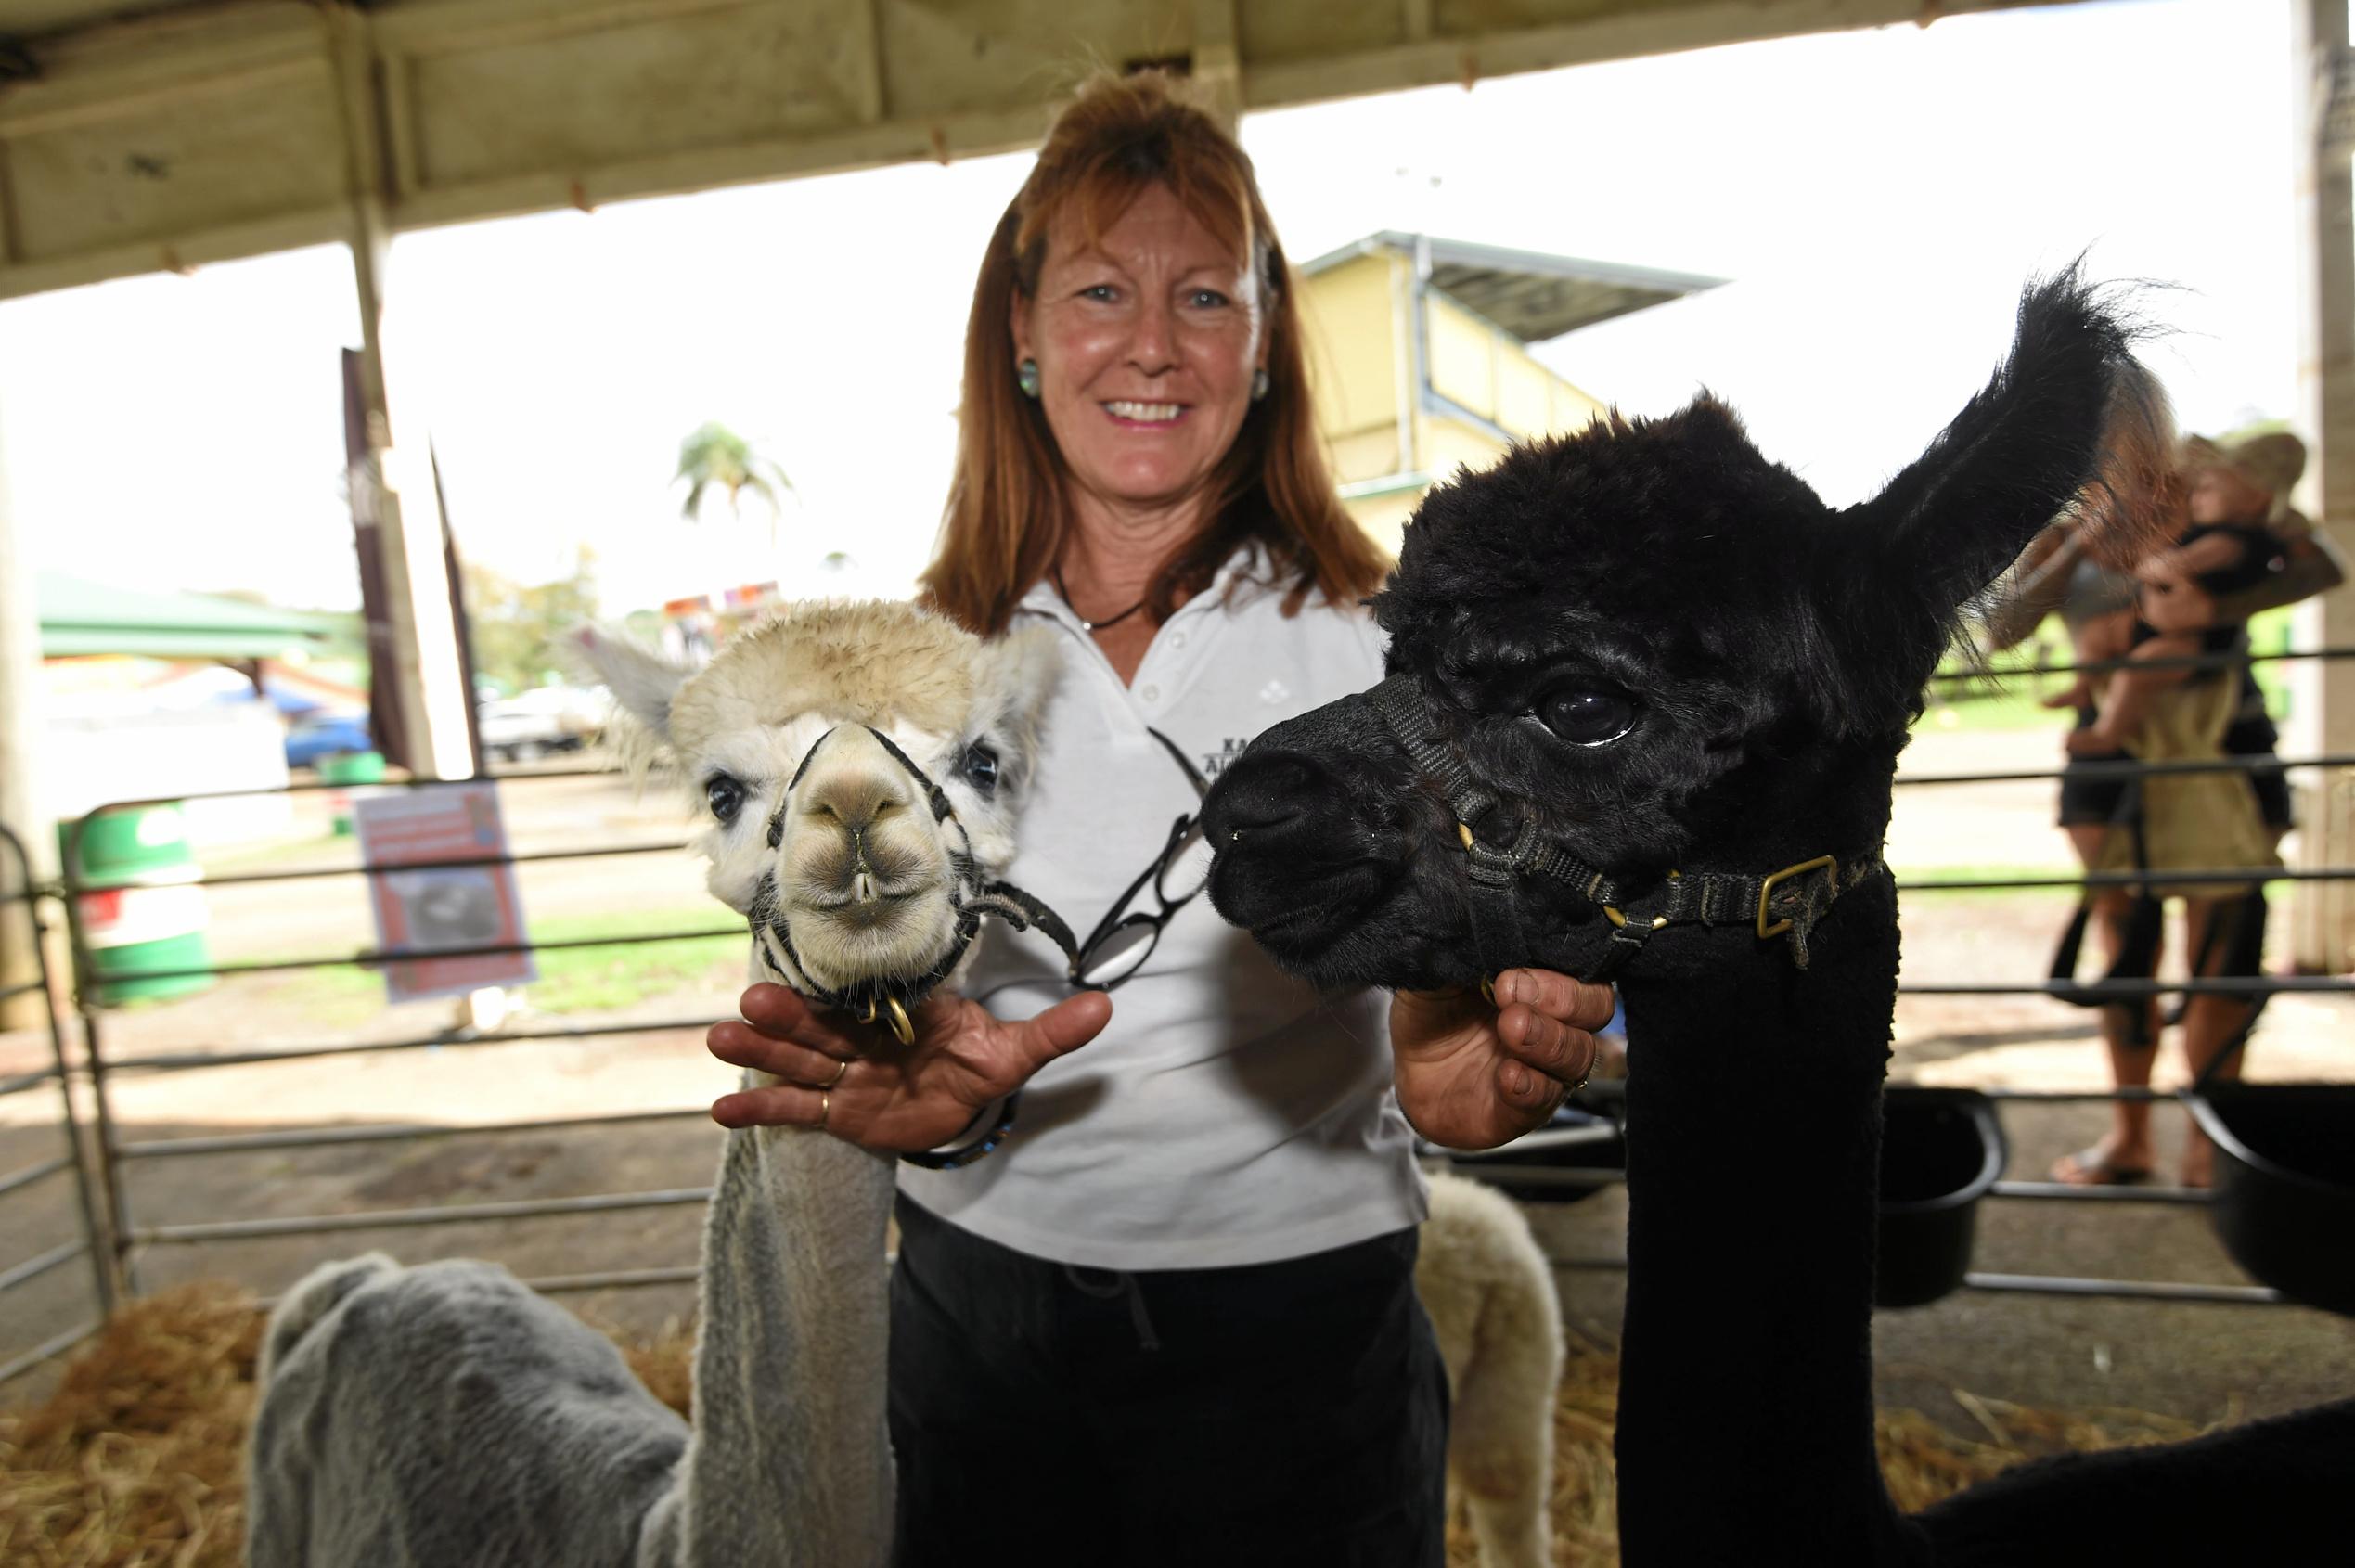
(157, 923)
(347, 768)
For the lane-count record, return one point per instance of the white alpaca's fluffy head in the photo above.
(808, 816)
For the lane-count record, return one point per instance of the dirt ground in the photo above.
(2198, 1362)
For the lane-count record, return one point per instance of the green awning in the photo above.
(82, 617)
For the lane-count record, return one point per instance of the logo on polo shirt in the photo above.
(1230, 748)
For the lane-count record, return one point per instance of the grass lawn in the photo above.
(320, 852)
(573, 979)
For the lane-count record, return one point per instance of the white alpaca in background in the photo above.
(1489, 1292)
(858, 768)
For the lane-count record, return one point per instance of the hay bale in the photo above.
(1921, 1461)
(664, 1363)
(138, 1456)
(137, 1461)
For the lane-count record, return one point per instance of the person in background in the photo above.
(2243, 549)
(1172, 1320)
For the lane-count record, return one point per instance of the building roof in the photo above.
(82, 617)
(1529, 293)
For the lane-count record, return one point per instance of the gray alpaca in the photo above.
(446, 1417)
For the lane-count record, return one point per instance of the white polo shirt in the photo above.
(1229, 1114)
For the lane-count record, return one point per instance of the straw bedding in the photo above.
(136, 1460)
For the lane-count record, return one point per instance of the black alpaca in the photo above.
(1633, 674)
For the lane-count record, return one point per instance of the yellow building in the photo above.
(1418, 353)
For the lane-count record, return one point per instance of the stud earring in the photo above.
(1258, 385)
(1026, 377)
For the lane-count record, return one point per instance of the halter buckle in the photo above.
(1766, 890)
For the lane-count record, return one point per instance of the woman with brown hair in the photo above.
(1180, 1296)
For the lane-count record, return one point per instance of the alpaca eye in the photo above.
(726, 795)
(1584, 717)
(981, 768)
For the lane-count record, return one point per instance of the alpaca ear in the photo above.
(2071, 423)
(642, 681)
(1019, 674)
(1030, 662)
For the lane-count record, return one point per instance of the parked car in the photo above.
(532, 723)
(319, 733)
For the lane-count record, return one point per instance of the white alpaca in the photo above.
(445, 1415)
(1489, 1292)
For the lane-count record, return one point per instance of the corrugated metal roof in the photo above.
(1532, 294)
(33, 17)
(146, 135)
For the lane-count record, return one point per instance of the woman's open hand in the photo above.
(863, 1086)
(1473, 1077)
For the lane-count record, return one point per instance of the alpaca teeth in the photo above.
(1150, 413)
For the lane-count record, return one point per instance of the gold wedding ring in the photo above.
(840, 1069)
(825, 1104)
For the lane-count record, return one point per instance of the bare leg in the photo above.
(2209, 1022)
(2127, 1146)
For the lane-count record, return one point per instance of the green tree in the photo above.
(514, 629)
(718, 456)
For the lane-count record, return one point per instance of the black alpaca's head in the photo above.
(1669, 653)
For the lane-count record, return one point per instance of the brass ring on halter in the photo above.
(901, 1028)
(1488, 989)
(841, 1067)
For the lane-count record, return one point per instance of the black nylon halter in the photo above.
(1786, 901)
(969, 896)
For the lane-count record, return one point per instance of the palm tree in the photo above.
(716, 454)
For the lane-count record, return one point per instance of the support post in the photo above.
(1217, 63)
(20, 793)
(434, 704)
(2322, 690)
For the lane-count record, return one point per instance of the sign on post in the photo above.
(432, 907)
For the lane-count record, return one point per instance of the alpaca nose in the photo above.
(854, 782)
(1260, 793)
(857, 803)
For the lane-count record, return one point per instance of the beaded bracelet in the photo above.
(955, 1159)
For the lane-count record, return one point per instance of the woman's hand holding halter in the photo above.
(859, 1084)
(1472, 1075)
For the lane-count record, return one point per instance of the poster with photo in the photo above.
(424, 906)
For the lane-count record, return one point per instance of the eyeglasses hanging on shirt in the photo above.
(1121, 943)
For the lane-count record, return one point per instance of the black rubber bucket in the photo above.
(1554, 1164)
(1941, 1150)
(2285, 1199)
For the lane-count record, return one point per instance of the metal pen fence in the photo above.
(128, 1236)
(102, 1158)
(18, 889)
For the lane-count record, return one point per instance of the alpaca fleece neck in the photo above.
(790, 1459)
(1752, 1177)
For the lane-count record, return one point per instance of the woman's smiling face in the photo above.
(1146, 344)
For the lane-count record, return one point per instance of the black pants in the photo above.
(1291, 1413)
